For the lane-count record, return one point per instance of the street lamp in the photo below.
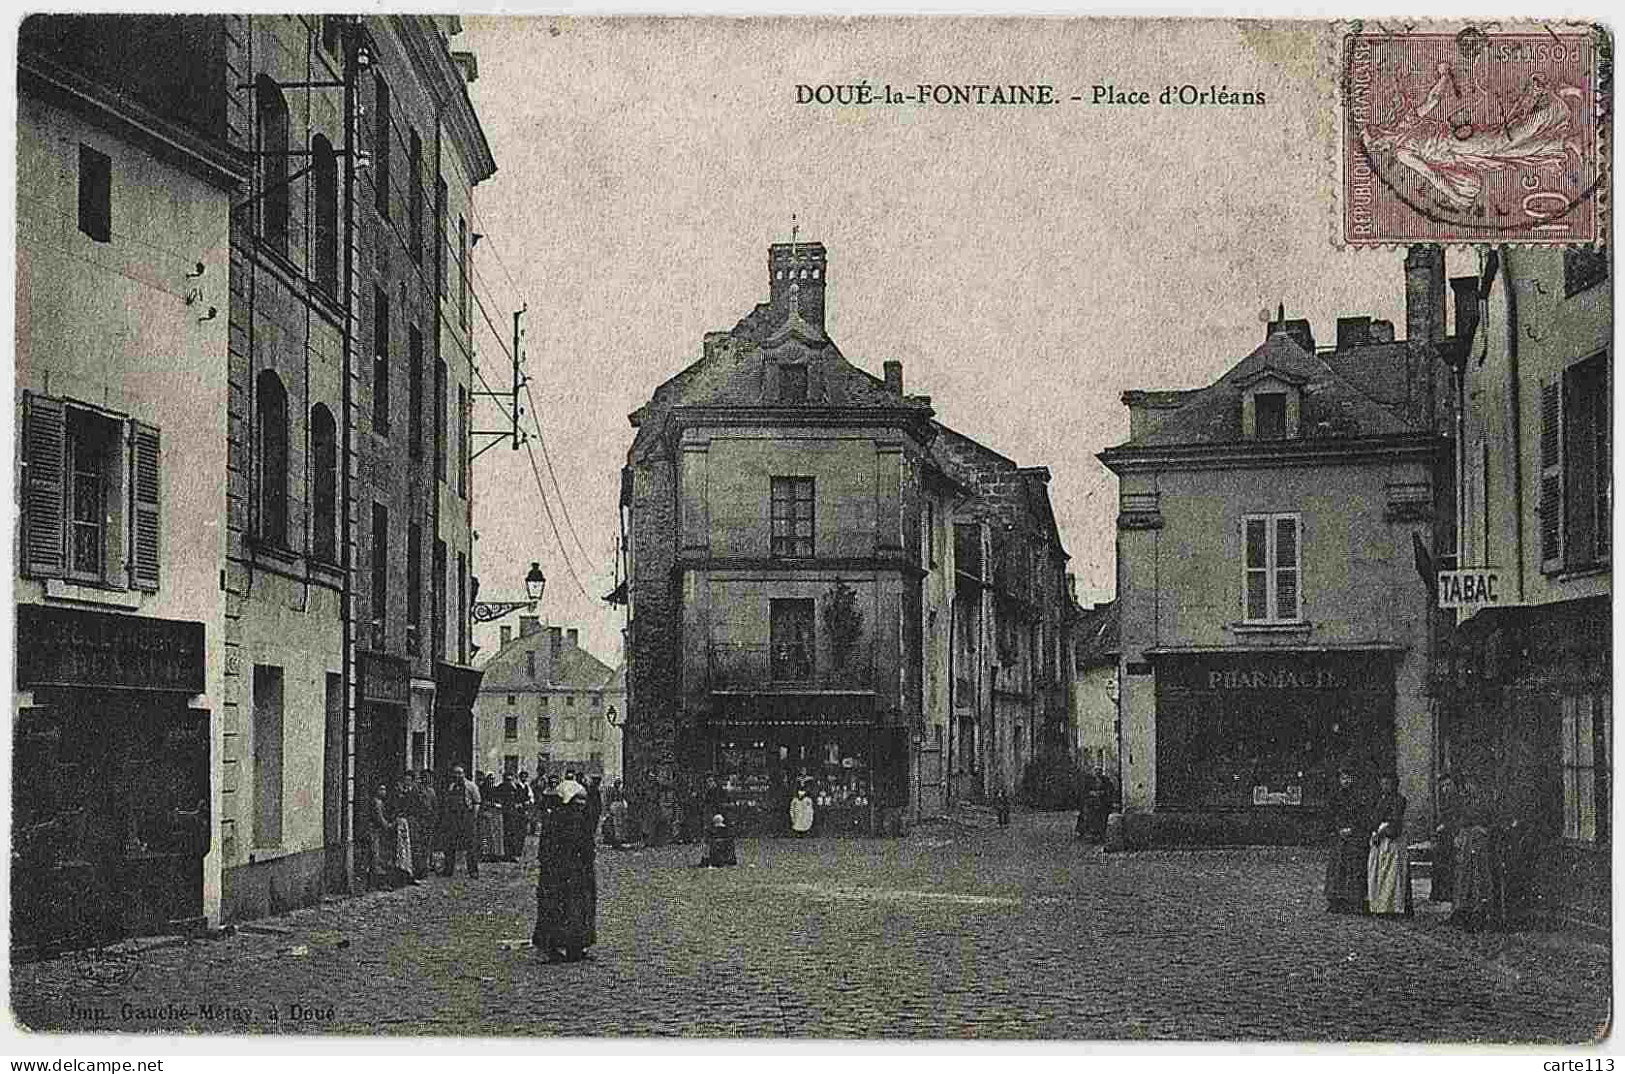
(535, 583)
(613, 718)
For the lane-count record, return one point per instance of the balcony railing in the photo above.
(787, 669)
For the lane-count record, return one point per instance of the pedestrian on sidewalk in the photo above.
(515, 803)
(595, 801)
(1388, 874)
(566, 884)
(490, 820)
(1002, 805)
(425, 824)
(719, 844)
(1347, 854)
(801, 814)
(616, 831)
(1442, 885)
(400, 814)
(459, 812)
(380, 840)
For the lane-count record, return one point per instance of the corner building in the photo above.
(1272, 624)
(792, 567)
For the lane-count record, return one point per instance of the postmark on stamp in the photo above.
(1478, 136)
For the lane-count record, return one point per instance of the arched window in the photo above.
(325, 459)
(324, 177)
(272, 114)
(271, 458)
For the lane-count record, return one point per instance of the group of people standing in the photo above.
(1368, 867)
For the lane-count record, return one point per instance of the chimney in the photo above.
(1382, 331)
(798, 268)
(507, 635)
(1299, 330)
(1466, 295)
(571, 638)
(1353, 332)
(1424, 294)
(529, 624)
(894, 377)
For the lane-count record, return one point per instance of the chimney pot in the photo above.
(894, 377)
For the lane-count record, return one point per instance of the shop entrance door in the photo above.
(381, 756)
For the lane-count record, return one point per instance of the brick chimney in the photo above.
(507, 635)
(894, 376)
(1424, 293)
(1382, 331)
(1353, 332)
(571, 638)
(529, 624)
(798, 265)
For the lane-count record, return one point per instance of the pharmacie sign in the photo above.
(1472, 587)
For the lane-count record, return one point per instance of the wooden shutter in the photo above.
(1286, 565)
(1551, 474)
(44, 508)
(144, 486)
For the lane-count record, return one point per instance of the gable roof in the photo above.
(1332, 405)
(508, 671)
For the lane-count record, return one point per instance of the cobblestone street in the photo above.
(984, 933)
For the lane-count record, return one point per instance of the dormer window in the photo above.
(792, 384)
(1270, 406)
(1269, 415)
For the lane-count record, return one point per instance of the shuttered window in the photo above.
(1272, 590)
(91, 495)
(1576, 474)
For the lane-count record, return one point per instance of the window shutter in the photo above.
(1551, 474)
(144, 495)
(1256, 564)
(45, 452)
(1286, 568)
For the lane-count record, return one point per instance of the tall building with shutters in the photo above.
(1272, 623)
(302, 187)
(1525, 676)
(828, 588)
(124, 187)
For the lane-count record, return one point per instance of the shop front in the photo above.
(110, 778)
(381, 730)
(1259, 736)
(763, 749)
(1527, 698)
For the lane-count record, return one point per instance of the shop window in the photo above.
(267, 756)
(792, 517)
(325, 462)
(1576, 476)
(510, 728)
(791, 630)
(95, 194)
(510, 764)
(569, 729)
(324, 179)
(1272, 592)
(380, 361)
(544, 728)
(1584, 757)
(271, 458)
(272, 112)
(382, 143)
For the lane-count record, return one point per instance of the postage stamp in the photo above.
(1474, 136)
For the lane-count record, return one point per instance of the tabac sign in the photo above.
(1472, 588)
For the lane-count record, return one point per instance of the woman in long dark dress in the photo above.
(567, 885)
(1346, 816)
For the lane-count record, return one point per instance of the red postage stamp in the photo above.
(1474, 137)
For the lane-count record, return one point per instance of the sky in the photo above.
(1025, 264)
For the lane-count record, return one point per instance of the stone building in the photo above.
(349, 510)
(1525, 679)
(125, 183)
(1272, 622)
(799, 535)
(338, 554)
(547, 705)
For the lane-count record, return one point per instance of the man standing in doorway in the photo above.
(459, 808)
